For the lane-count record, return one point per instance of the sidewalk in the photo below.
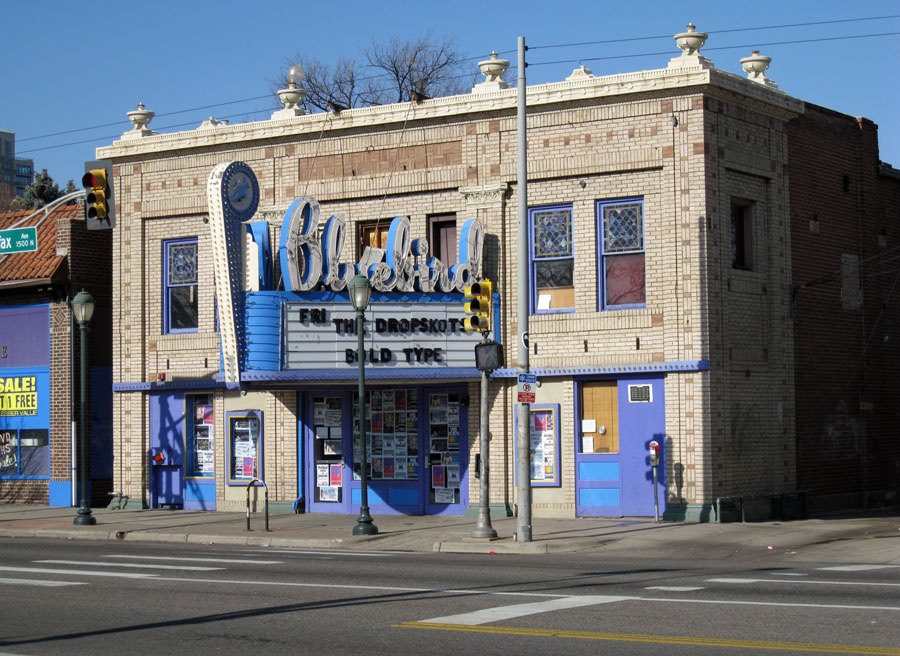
(857, 540)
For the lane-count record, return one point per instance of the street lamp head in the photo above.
(359, 291)
(83, 306)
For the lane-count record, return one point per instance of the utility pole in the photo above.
(523, 525)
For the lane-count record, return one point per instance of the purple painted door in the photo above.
(617, 419)
(167, 422)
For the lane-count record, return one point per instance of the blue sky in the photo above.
(72, 65)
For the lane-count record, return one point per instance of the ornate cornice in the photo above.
(484, 196)
(584, 88)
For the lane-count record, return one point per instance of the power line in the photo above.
(749, 45)
(725, 31)
(447, 78)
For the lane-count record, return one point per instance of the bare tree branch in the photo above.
(425, 65)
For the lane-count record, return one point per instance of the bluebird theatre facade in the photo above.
(658, 276)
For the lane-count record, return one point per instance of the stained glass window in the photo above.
(622, 274)
(181, 303)
(552, 259)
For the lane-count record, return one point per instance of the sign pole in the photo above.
(523, 466)
(483, 527)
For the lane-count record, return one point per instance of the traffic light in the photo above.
(99, 204)
(478, 307)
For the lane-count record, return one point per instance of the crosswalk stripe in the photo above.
(499, 613)
(40, 583)
(239, 561)
(805, 582)
(856, 568)
(77, 572)
(191, 568)
(675, 588)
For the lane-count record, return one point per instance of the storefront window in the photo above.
(200, 436)
(24, 453)
(393, 445)
(443, 447)
(244, 446)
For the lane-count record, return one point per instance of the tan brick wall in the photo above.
(684, 157)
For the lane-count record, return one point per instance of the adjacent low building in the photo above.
(39, 365)
(672, 261)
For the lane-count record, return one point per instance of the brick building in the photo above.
(662, 271)
(39, 367)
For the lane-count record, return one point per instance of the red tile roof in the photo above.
(43, 263)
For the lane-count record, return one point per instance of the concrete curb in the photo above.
(567, 546)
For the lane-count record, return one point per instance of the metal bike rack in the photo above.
(256, 483)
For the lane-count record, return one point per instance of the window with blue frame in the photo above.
(180, 285)
(552, 259)
(244, 445)
(621, 273)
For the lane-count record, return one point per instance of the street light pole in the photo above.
(83, 306)
(359, 291)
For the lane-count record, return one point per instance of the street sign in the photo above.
(526, 389)
(18, 240)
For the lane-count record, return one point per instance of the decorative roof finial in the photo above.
(292, 95)
(755, 66)
(493, 69)
(690, 42)
(140, 118)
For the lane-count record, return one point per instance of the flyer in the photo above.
(438, 476)
(333, 417)
(335, 475)
(247, 466)
(328, 493)
(388, 467)
(445, 495)
(321, 432)
(453, 476)
(322, 475)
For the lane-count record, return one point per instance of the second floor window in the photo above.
(552, 259)
(442, 238)
(372, 233)
(180, 286)
(621, 233)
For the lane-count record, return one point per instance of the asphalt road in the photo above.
(78, 597)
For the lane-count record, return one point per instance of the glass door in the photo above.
(329, 417)
(392, 420)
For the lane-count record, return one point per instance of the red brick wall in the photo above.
(847, 358)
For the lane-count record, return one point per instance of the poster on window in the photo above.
(328, 493)
(544, 441)
(336, 475)
(322, 475)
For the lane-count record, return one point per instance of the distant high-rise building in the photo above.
(24, 175)
(7, 164)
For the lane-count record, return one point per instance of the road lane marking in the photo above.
(731, 602)
(692, 641)
(805, 582)
(305, 552)
(856, 568)
(499, 613)
(191, 568)
(41, 583)
(240, 561)
(788, 574)
(77, 572)
(675, 588)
